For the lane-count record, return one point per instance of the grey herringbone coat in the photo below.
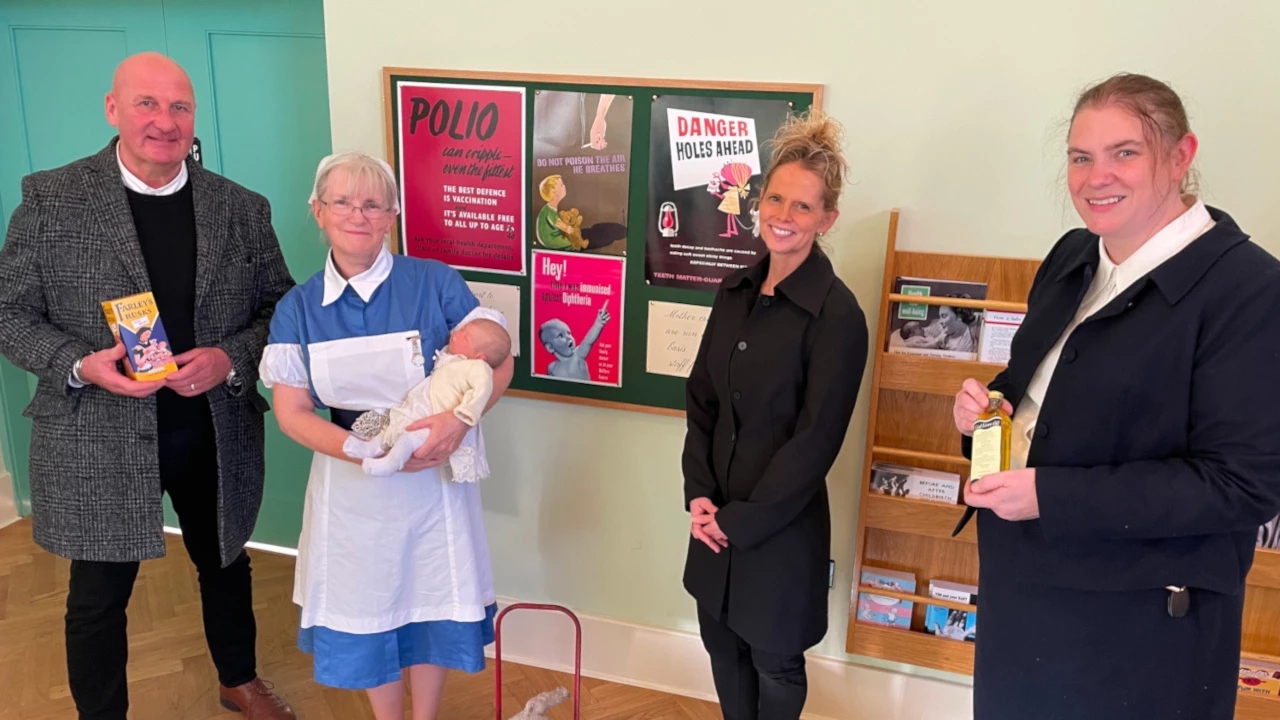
(95, 480)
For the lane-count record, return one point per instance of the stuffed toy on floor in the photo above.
(536, 709)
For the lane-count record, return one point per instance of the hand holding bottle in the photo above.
(971, 402)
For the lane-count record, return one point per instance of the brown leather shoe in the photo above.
(256, 701)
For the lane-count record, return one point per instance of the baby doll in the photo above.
(461, 382)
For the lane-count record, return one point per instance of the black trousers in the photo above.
(97, 641)
(752, 684)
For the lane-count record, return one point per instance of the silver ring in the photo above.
(193, 386)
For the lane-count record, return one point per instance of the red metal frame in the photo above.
(577, 659)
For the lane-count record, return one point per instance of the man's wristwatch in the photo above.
(234, 384)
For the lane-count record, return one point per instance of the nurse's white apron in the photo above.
(379, 553)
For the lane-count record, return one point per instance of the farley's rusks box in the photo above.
(1259, 678)
(135, 321)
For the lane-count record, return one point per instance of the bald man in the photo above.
(139, 216)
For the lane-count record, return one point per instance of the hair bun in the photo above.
(816, 141)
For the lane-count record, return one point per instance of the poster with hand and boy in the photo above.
(707, 157)
(576, 322)
(581, 172)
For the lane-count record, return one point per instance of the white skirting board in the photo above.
(675, 662)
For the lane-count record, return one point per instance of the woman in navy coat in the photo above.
(1146, 445)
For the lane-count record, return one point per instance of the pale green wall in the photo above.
(953, 112)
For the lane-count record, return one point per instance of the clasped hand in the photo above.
(200, 370)
(446, 433)
(704, 527)
(1011, 494)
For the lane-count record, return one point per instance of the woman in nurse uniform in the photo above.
(393, 573)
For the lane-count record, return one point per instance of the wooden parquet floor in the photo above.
(172, 678)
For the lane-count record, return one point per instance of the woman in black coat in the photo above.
(1146, 440)
(769, 401)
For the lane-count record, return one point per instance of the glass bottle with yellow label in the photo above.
(992, 432)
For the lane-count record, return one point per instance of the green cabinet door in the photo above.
(258, 69)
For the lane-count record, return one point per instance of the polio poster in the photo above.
(577, 317)
(581, 172)
(462, 173)
(707, 159)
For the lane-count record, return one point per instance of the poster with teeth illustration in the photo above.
(707, 159)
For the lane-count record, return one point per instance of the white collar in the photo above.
(1171, 240)
(134, 183)
(364, 284)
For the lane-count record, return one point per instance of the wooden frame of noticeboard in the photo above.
(639, 391)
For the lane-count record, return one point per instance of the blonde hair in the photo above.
(815, 140)
(363, 170)
(548, 187)
(1155, 104)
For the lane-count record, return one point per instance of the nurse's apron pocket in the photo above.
(363, 373)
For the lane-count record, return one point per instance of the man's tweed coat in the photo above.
(71, 244)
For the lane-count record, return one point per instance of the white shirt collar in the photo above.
(364, 284)
(134, 183)
(1171, 240)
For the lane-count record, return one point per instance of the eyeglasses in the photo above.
(342, 208)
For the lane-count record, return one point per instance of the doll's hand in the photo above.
(446, 435)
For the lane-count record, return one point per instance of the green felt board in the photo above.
(640, 390)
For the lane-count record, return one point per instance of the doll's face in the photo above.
(462, 343)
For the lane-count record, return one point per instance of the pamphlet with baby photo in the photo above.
(576, 324)
(944, 331)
